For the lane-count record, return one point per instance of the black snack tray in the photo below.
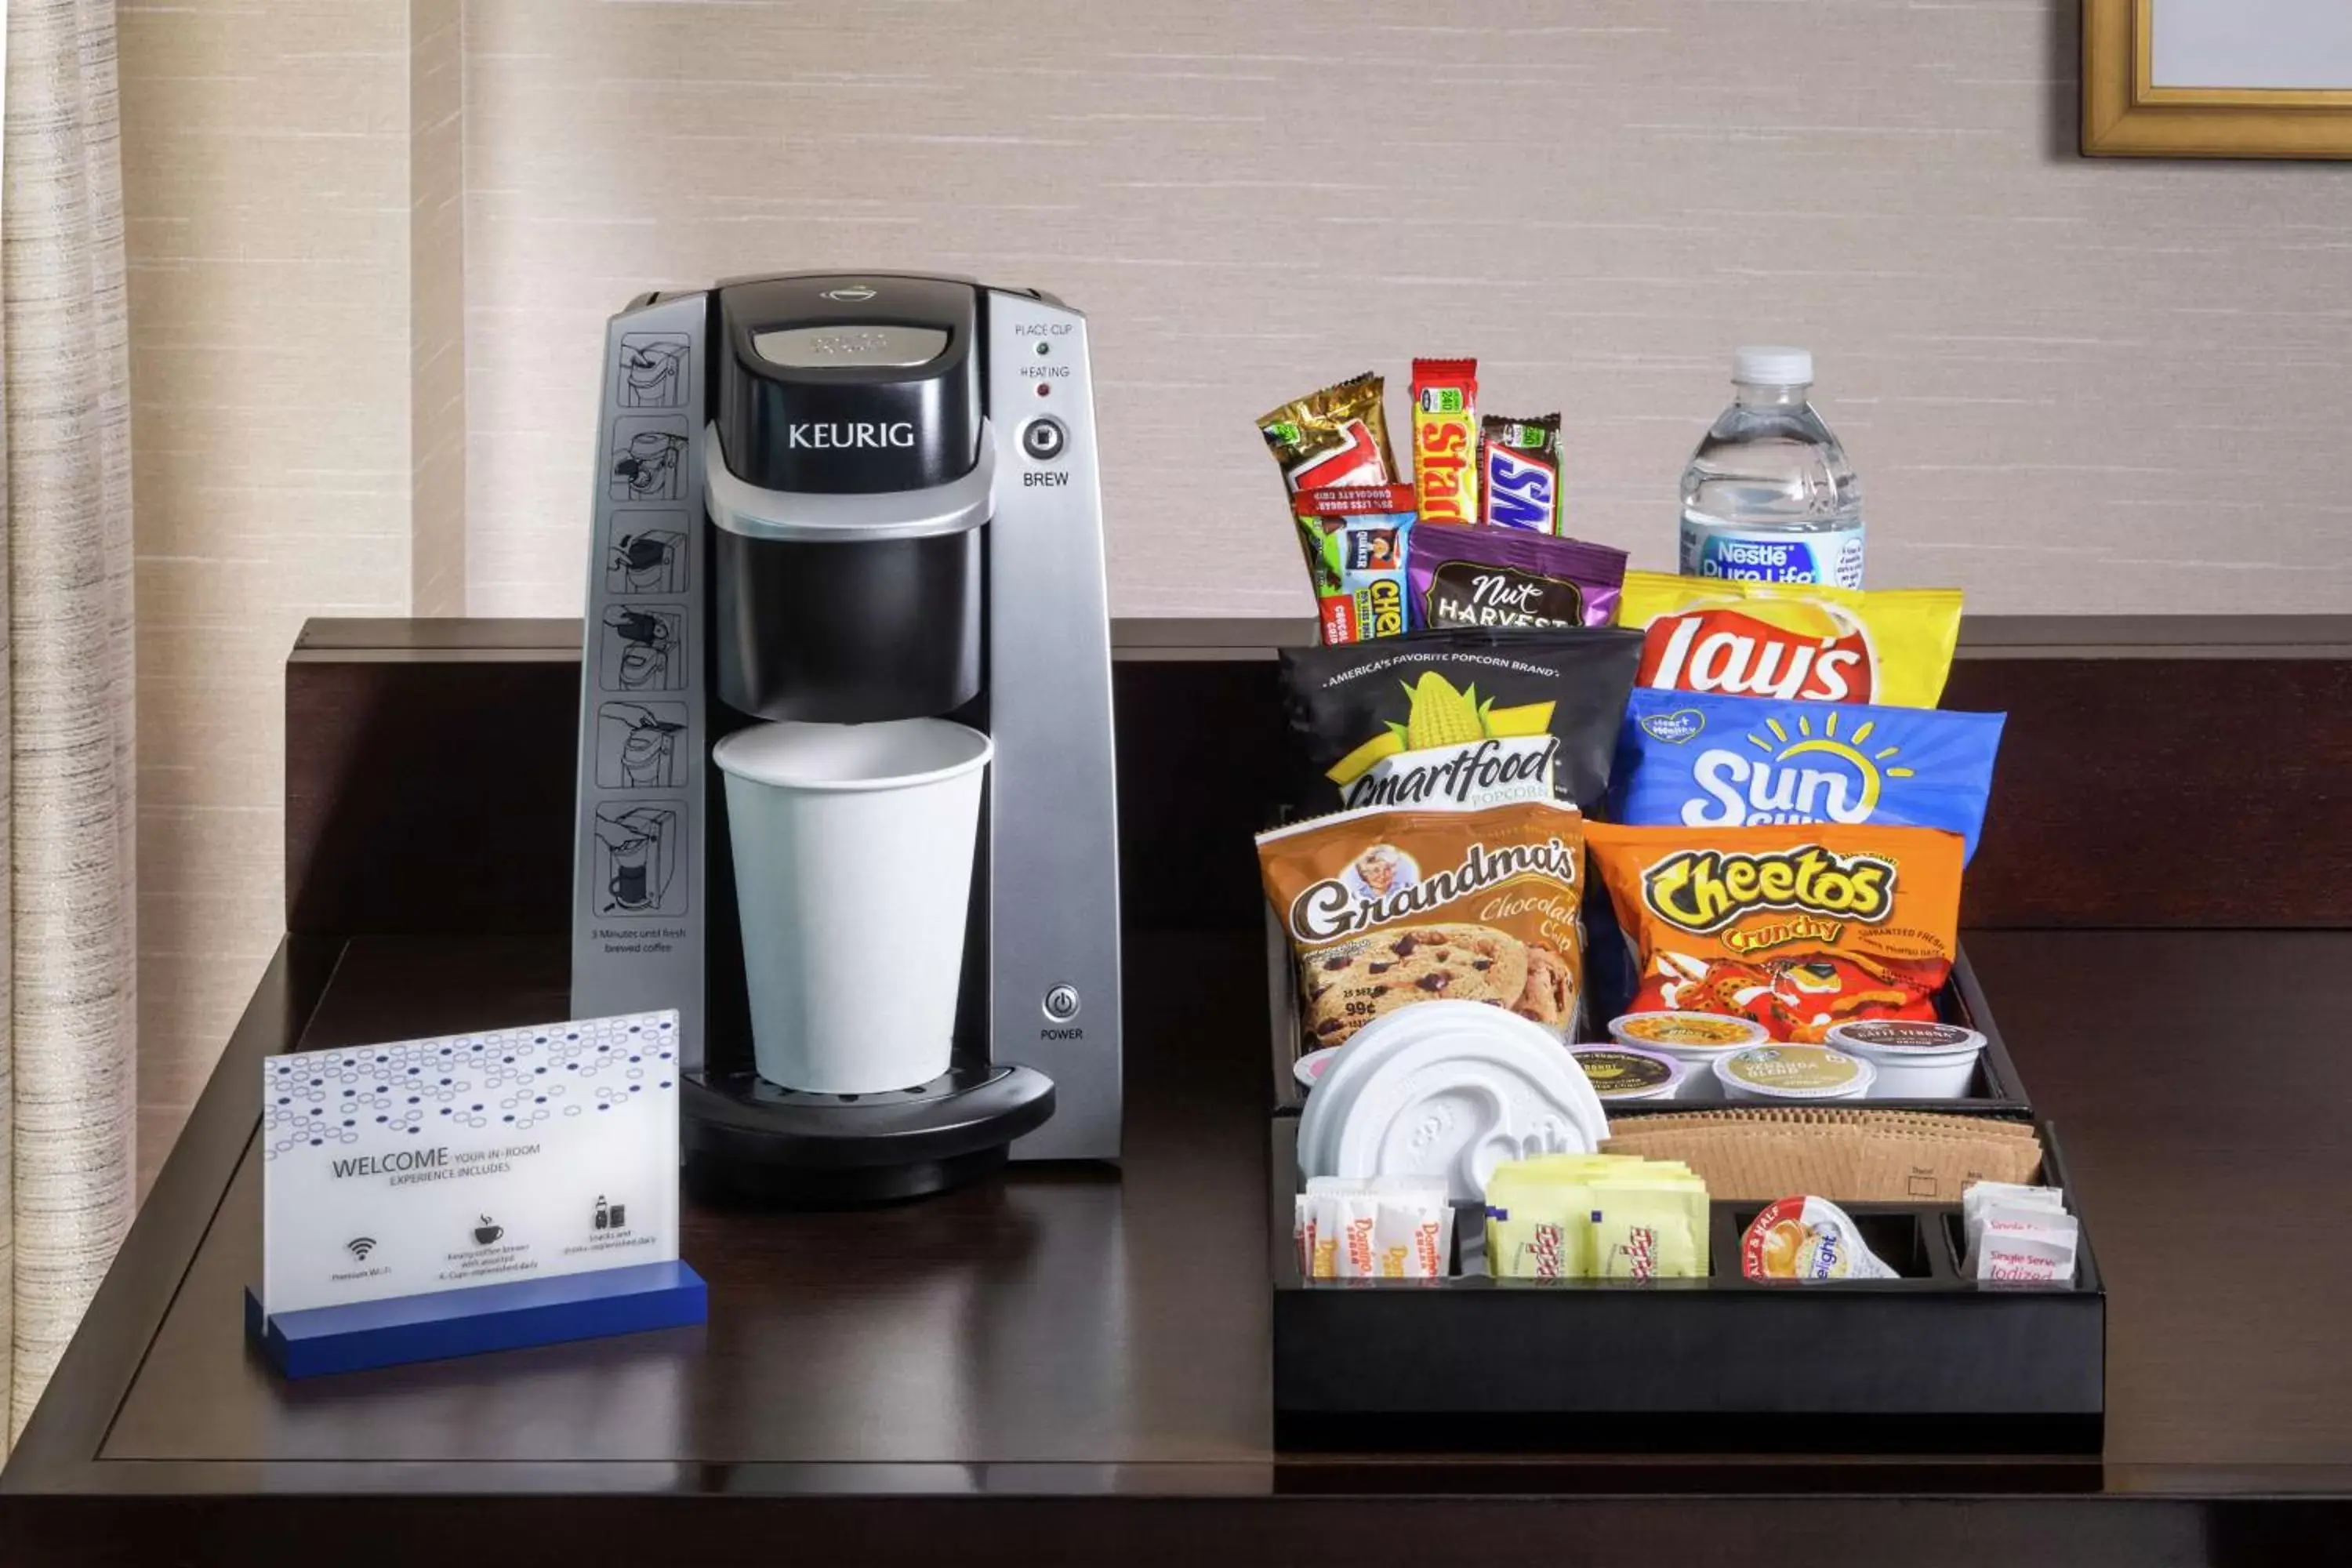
(1930, 1361)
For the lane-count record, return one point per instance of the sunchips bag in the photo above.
(1796, 926)
(1458, 719)
(1385, 909)
(1739, 761)
(1798, 641)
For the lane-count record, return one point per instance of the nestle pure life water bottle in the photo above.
(1768, 495)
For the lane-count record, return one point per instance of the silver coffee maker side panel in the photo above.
(638, 885)
(1054, 854)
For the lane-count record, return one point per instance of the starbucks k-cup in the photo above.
(853, 849)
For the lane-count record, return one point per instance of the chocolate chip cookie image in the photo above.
(1345, 991)
(1550, 995)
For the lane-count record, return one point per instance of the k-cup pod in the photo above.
(1793, 1074)
(853, 849)
(1915, 1058)
(1622, 1073)
(1696, 1040)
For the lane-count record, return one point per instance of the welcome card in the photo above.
(468, 1160)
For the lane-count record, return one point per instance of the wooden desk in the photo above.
(1070, 1365)
(1033, 1369)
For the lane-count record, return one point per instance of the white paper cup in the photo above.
(853, 847)
(1916, 1060)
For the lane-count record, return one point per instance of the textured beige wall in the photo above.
(436, 307)
(372, 251)
(2066, 384)
(267, 182)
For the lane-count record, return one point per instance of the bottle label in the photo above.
(1834, 558)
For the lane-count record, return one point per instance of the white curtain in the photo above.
(67, 966)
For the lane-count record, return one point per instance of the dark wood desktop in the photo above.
(1070, 1365)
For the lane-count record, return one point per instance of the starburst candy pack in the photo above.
(1796, 926)
(1742, 762)
(1800, 641)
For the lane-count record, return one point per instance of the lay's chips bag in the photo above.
(1795, 927)
(1802, 642)
(1704, 761)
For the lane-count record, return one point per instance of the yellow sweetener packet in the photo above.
(1648, 1227)
(1580, 1216)
(1802, 641)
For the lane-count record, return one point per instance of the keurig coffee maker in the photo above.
(852, 521)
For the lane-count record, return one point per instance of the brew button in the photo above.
(1044, 440)
(1062, 1003)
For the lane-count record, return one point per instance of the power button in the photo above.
(1044, 440)
(1062, 1003)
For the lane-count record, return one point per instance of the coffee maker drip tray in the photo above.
(746, 1138)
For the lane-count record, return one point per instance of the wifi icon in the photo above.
(358, 1246)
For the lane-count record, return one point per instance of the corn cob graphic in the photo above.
(1437, 715)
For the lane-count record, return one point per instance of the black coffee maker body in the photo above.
(883, 490)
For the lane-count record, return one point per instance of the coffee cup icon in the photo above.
(486, 1233)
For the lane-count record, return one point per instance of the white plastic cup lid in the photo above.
(1771, 366)
(896, 753)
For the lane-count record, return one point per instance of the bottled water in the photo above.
(1768, 495)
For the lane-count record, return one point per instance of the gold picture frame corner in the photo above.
(2126, 115)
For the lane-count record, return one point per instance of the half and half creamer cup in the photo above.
(1917, 1058)
(1793, 1074)
(1810, 1240)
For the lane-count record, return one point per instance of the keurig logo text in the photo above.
(864, 432)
